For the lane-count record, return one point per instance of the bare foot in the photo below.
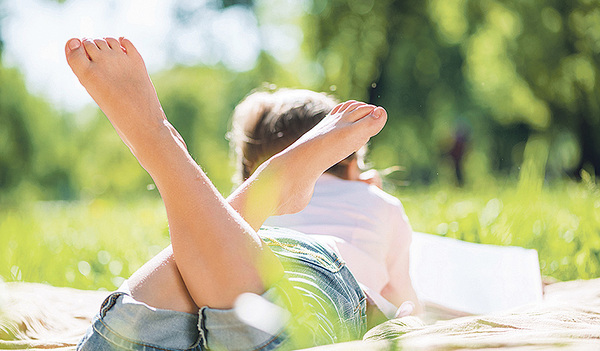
(343, 131)
(114, 74)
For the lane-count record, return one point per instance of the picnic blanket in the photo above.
(38, 316)
(569, 318)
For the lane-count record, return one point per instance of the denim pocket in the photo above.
(328, 288)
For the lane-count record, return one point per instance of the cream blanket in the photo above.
(37, 316)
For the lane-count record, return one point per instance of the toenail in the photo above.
(74, 44)
(376, 113)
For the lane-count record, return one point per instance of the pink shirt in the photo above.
(364, 224)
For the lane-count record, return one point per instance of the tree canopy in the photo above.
(503, 70)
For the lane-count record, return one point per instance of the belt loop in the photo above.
(202, 328)
(109, 302)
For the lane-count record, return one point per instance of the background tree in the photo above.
(503, 69)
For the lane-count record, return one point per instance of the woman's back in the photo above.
(367, 226)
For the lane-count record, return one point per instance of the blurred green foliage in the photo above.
(33, 151)
(504, 70)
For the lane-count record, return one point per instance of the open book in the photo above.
(473, 278)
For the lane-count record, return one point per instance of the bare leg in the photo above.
(218, 254)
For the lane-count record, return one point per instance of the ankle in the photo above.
(294, 181)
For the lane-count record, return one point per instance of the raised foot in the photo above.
(114, 74)
(343, 131)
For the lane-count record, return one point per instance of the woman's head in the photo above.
(265, 123)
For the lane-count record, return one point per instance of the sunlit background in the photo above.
(494, 116)
(167, 32)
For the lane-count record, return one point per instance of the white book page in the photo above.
(473, 278)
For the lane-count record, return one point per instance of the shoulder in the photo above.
(383, 196)
(397, 221)
(351, 191)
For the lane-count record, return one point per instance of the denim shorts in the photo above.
(317, 302)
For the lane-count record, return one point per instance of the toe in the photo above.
(360, 112)
(76, 56)
(113, 43)
(346, 104)
(101, 44)
(336, 108)
(374, 121)
(90, 48)
(72, 44)
(353, 106)
(128, 46)
(380, 112)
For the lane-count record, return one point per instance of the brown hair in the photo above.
(267, 122)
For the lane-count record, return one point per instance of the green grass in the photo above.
(92, 245)
(96, 245)
(561, 221)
